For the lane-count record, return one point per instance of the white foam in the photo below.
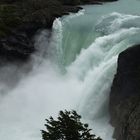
(96, 52)
(114, 21)
(74, 15)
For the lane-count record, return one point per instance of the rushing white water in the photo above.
(72, 69)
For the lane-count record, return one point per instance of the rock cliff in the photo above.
(125, 96)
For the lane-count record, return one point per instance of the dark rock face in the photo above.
(125, 96)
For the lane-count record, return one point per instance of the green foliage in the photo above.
(41, 4)
(70, 2)
(4, 30)
(9, 18)
(67, 127)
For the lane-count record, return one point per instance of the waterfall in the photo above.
(73, 69)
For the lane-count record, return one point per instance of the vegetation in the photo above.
(19, 21)
(67, 127)
(16, 14)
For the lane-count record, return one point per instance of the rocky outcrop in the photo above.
(20, 19)
(125, 96)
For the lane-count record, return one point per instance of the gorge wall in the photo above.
(125, 96)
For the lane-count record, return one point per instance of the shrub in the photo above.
(67, 127)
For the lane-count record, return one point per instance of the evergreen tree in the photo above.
(67, 127)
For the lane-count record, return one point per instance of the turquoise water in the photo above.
(73, 69)
(81, 31)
